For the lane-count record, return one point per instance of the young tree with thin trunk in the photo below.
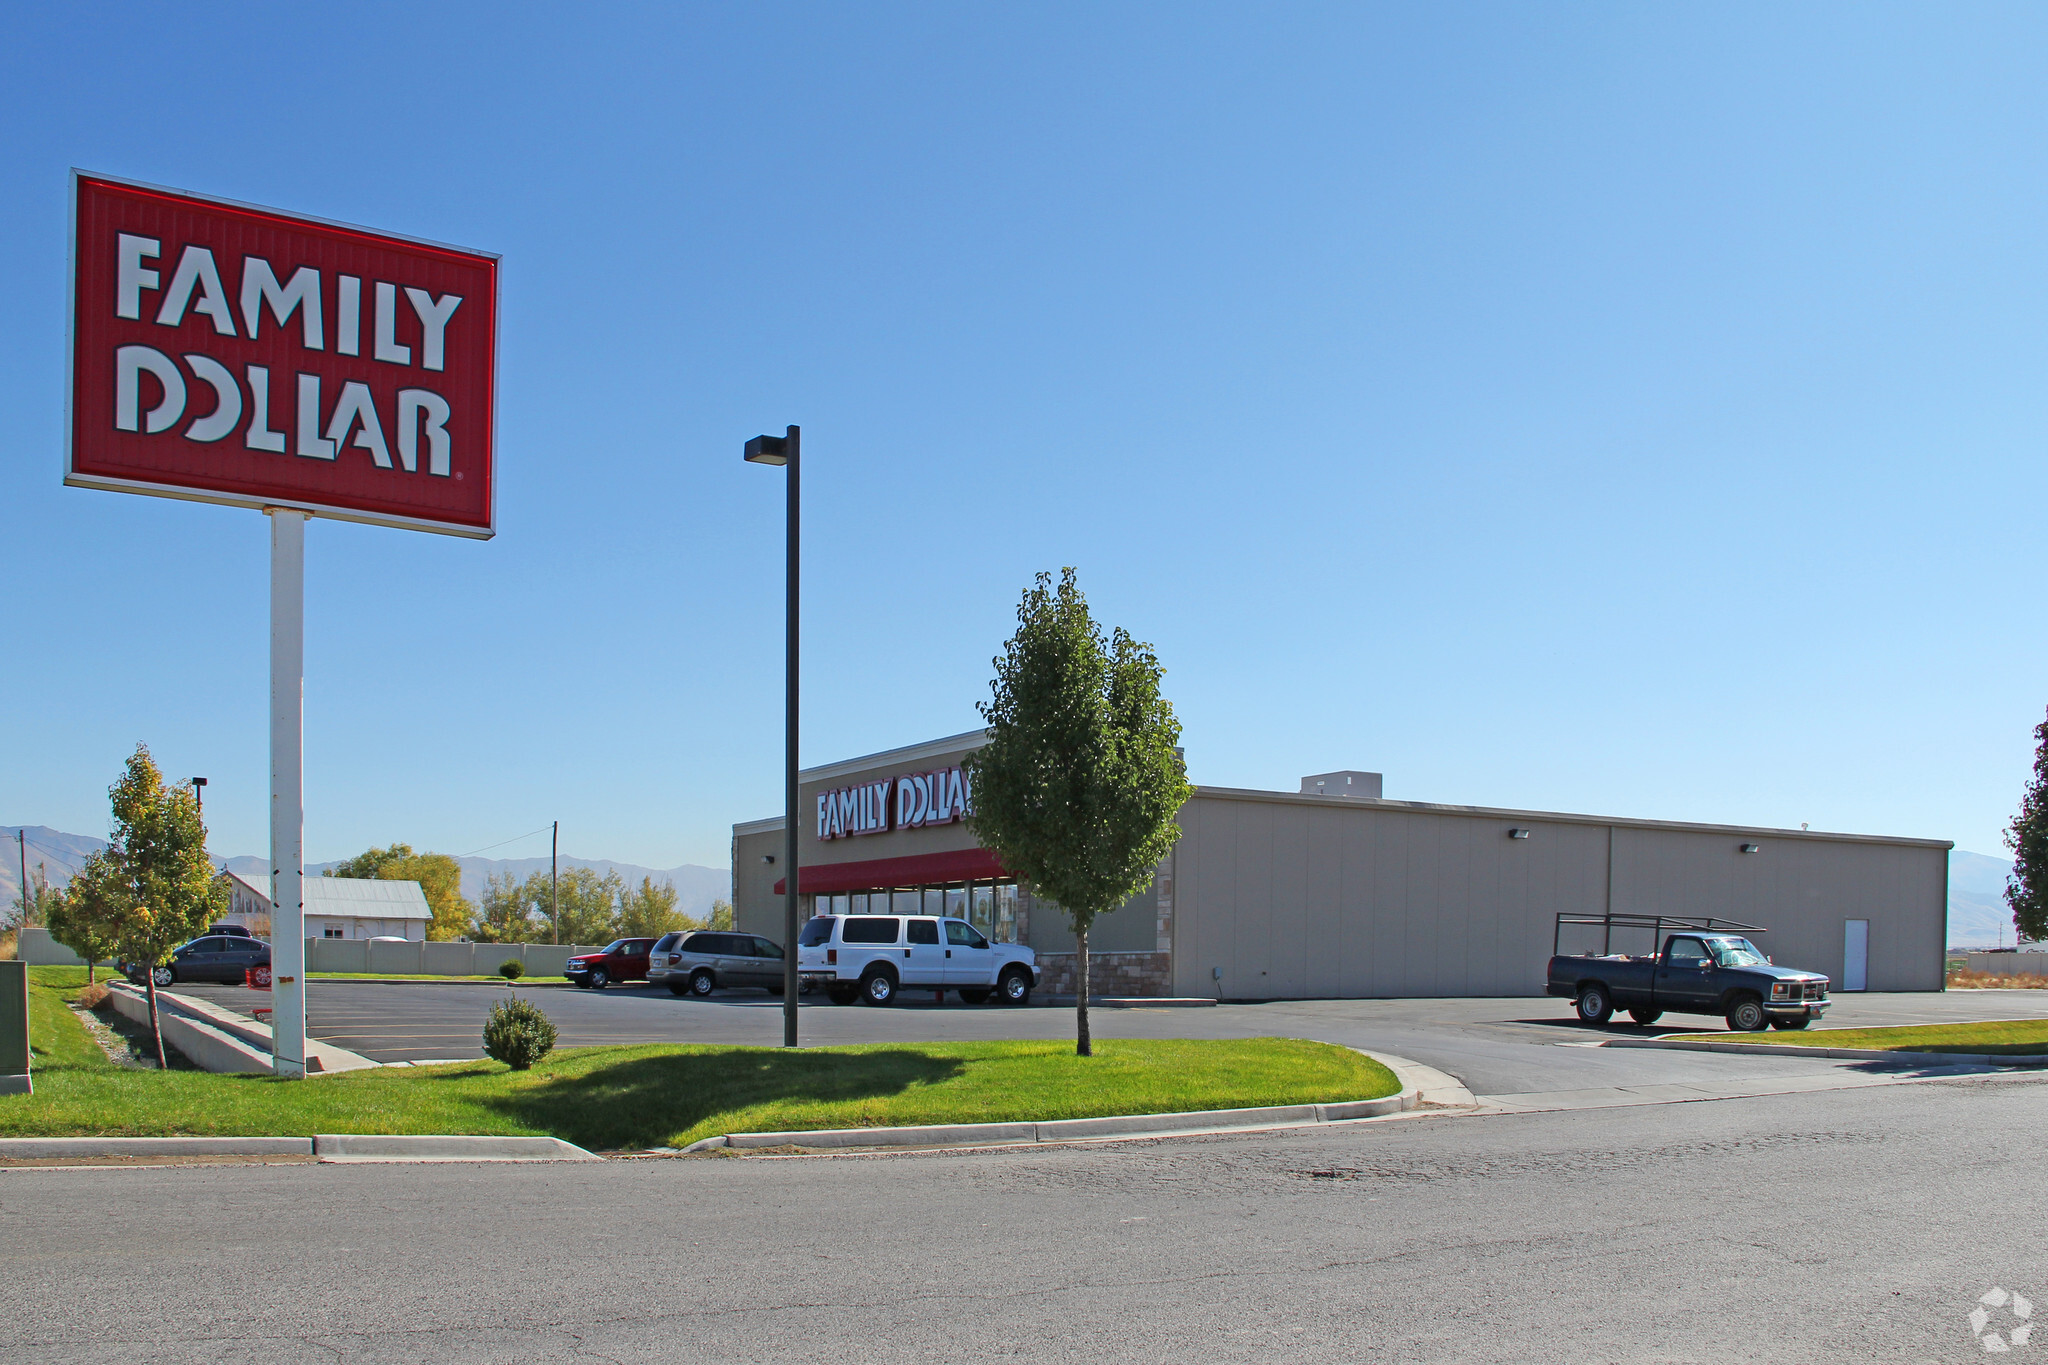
(82, 918)
(2027, 890)
(1077, 788)
(159, 875)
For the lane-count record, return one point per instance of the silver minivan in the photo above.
(706, 960)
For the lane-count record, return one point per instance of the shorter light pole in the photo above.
(786, 451)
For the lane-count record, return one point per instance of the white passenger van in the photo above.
(871, 957)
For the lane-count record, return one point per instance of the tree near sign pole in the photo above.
(1077, 788)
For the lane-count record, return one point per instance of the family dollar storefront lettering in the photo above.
(943, 796)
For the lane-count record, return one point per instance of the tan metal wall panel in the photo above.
(1300, 897)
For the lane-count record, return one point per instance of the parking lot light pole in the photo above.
(785, 451)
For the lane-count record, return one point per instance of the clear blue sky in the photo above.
(1628, 409)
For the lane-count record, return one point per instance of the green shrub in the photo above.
(518, 1034)
(511, 969)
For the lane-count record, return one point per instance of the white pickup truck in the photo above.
(871, 957)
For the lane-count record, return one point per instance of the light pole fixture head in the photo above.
(768, 450)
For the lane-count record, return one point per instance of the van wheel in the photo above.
(842, 995)
(1594, 1007)
(775, 988)
(877, 988)
(1795, 1022)
(701, 982)
(678, 988)
(974, 997)
(1646, 1017)
(1015, 987)
(1748, 1015)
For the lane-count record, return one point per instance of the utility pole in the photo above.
(21, 841)
(554, 883)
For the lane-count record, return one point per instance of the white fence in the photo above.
(37, 948)
(435, 959)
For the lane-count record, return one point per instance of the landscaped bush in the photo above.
(511, 969)
(92, 997)
(518, 1034)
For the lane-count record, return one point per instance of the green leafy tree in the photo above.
(589, 904)
(440, 879)
(1076, 790)
(649, 911)
(86, 917)
(2027, 836)
(720, 917)
(163, 887)
(506, 912)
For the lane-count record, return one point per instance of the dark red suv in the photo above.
(625, 960)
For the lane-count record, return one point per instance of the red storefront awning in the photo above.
(879, 874)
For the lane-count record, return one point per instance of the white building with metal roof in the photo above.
(339, 907)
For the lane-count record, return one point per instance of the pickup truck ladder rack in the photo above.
(1656, 924)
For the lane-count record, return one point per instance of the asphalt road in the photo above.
(1515, 1048)
(1856, 1226)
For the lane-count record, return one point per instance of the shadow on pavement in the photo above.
(645, 1101)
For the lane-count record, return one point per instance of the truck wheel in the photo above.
(1799, 1021)
(1646, 1017)
(1748, 1015)
(678, 988)
(599, 979)
(702, 983)
(1015, 987)
(842, 995)
(878, 988)
(973, 997)
(775, 988)
(1594, 1006)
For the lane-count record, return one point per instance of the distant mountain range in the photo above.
(61, 854)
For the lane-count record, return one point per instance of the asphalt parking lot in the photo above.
(1522, 1050)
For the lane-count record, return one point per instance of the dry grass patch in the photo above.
(1962, 979)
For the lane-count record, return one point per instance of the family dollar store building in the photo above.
(1335, 891)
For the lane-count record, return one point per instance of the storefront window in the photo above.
(1005, 929)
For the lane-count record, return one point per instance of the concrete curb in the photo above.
(1847, 1054)
(217, 1039)
(340, 1147)
(50, 1149)
(1068, 1130)
(327, 1147)
(1128, 1002)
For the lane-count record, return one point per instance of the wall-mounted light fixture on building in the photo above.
(767, 857)
(1752, 848)
(1518, 833)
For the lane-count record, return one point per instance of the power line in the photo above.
(502, 842)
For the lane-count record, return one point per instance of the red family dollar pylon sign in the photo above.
(222, 352)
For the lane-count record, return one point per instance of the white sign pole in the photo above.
(287, 790)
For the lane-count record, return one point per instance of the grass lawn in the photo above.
(611, 1098)
(2021, 1037)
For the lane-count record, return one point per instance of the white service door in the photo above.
(1855, 953)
